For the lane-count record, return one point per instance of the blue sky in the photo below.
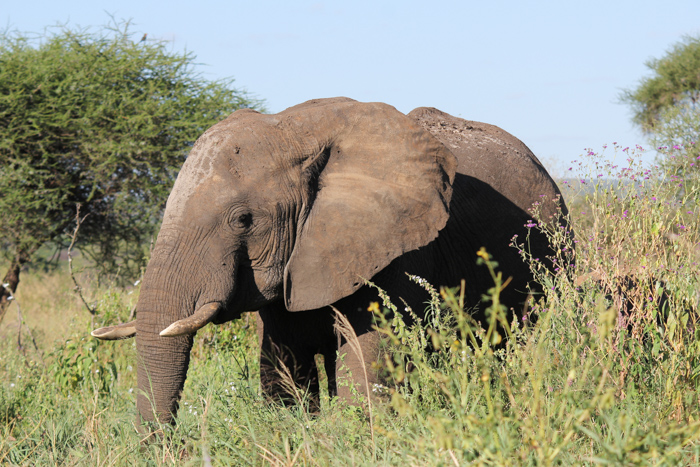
(549, 72)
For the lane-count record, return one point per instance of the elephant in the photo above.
(290, 214)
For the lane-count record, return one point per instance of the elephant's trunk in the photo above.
(179, 295)
(162, 368)
(162, 361)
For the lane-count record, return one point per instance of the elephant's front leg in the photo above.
(357, 366)
(288, 375)
(288, 344)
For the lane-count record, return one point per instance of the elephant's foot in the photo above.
(358, 377)
(288, 380)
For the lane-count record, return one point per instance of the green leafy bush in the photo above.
(96, 119)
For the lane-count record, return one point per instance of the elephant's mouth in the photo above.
(226, 314)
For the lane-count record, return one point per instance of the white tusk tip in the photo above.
(170, 331)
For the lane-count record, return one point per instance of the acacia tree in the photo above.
(98, 120)
(675, 82)
(666, 107)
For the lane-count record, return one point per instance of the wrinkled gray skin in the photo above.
(286, 213)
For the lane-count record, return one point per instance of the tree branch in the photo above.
(78, 288)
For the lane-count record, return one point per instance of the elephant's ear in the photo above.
(382, 187)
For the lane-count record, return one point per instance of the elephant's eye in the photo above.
(244, 220)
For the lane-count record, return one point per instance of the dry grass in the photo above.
(39, 296)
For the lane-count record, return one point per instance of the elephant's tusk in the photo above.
(192, 324)
(113, 333)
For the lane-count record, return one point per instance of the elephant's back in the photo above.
(497, 183)
(494, 157)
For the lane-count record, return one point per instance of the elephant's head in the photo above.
(299, 207)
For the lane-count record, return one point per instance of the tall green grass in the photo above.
(606, 373)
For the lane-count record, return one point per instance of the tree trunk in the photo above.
(12, 281)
